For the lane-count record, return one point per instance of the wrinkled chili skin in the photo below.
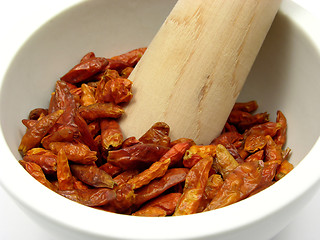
(92, 176)
(65, 178)
(100, 110)
(111, 134)
(33, 135)
(194, 187)
(36, 171)
(65, 101)
(116, 90)
(225, 161)
(173, 177)
(131, 58)
(281, 136)
(46, 159)
(75, 151)
(176, 153)
(160, 207)
(250, 106)
(85, 134)
(156, 170)
(85, 69)
(90, 197)
(238, 185)
(137, 156)
(157, 134)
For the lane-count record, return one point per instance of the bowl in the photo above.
(283, 77)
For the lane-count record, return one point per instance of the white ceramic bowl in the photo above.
(285, 77)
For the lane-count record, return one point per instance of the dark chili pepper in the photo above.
(137, 156)
(85, 69)
(194, 187)
(158, 186)
(159, 207)
(34, 135)
(92, 176)
(100, 110)
(90, 197)
(238, 185)
(157, 134)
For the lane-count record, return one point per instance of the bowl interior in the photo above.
(284, 76)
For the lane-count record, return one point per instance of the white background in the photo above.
(18, 19)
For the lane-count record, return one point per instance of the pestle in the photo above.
(195, 67)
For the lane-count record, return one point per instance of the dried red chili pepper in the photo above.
(244, 120)
(94, 127)
(255, 142)
(231, 137)
(238, 185)
(33, 135)
(132, 57)
(46, 159)
(117, 65)
(36, 171)
(77, 184)
(250, 106)
(173, 177)
(111, 135)
(157, 134)
(273, 158)
(87, 95)
(100, 110)
(255, 156)
(125, 176)
(87, 57)
(255, 119)
(64, 100)
(85, 69)
(195, 183)
(92, 176)
(28, 123)
(125, 73)
(90, 197)
(284, 168)
(130, 141)
(156, 170)
(75, 151)
(111, 169)
(63, 134)
(225, 162)
(255, 137)
(160, 207)
(176, 153)
(196, 152)
(230, 147)
(281, 136)
(85, 134)
(65, 178)
(212, 187)
(182, 140)
(116, 90)
(137, 156)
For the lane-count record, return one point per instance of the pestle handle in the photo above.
(195, 67)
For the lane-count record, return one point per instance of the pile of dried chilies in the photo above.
(76, 148)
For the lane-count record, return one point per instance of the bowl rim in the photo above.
(244, 213)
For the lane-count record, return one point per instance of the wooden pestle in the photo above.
(195, 67)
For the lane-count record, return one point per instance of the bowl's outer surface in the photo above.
(284, 77)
